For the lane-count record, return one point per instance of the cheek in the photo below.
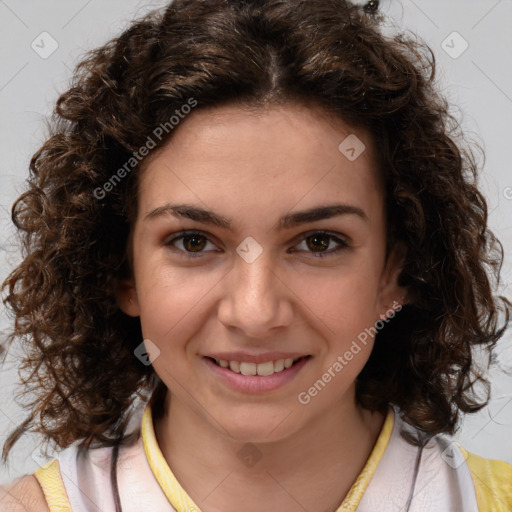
(344, 300)
(169, 298)
(343, 312)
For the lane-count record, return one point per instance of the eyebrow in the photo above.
(289, 220)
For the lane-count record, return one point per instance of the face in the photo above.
(259, 244)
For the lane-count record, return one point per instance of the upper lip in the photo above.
(243, 357)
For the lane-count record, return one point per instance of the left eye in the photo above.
(320, 241)
(194, 243)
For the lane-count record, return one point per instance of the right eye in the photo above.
(192, 244)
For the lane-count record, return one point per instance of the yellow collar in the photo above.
(182, 502)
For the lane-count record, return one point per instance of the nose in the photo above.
(256, 300)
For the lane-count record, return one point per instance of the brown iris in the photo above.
(321, 240)
(197, 242)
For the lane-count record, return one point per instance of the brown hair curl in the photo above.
(79, 345)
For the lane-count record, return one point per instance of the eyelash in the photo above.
(342, 244)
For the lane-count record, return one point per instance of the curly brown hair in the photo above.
(79, 346)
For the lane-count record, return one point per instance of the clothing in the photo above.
(449, 479)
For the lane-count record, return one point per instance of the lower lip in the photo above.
(256, 383)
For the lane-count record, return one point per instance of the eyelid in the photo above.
(344, 242)
(188, 232)
(336, 236)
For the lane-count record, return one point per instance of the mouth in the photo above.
(263, 369)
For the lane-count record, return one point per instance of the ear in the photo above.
(391, 296)
(126, 295)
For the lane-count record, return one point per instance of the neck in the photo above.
(312, 469)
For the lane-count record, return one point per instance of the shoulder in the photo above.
(492, 480)
(444, 472)
(23, 495)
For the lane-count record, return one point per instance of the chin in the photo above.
(254, 425)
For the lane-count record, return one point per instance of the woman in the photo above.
(253, 215)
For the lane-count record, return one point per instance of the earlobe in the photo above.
(126, 295)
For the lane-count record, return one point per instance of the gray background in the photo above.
(478, 82)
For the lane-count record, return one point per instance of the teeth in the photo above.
(279, 365)
(264, 369)
(248, 368)
(234, 366)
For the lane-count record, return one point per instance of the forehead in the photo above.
(261, 158)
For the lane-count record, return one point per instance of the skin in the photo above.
(253, 167)
(23, 495)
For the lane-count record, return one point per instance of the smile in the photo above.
(263, 369)
(251, 377)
